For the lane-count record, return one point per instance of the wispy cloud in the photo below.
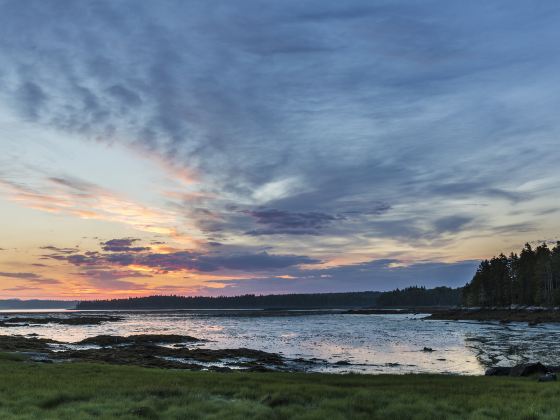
(123, 245)
(71, 196)
(29, 278)
(186, 260)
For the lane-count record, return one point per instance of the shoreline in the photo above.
(182, 352)
(531, 316)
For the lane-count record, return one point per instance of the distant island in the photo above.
(15, 304)
(287, 301)
(409, 297)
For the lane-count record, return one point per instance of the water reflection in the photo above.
(370, 343)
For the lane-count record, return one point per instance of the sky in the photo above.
(215, 147)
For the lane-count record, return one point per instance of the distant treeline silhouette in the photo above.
(411, 296)
(36, 304)
(420, 296)
(530, 278)
(288, 301)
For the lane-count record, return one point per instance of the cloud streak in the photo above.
(67, 195)
(184, 261)
(33, 278)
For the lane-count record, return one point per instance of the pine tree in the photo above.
(530, 278)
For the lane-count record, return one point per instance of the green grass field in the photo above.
(83, 391)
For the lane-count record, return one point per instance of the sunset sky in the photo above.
(225, 147)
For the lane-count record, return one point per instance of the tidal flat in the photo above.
(309, 341)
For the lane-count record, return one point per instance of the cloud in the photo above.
(291, 223)
(85, 200)
(452, 224)
(123, 245)
(206, 263)
(378, 275)
(407, 87)
(110, 279)
(31, 98)
(30, 278)
(184, 260)
(59, 250)
(21, 289)
(25, 276)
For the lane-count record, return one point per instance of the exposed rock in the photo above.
(428, 349)
(375, 311)
(259, 368)
(498, 371)
(525, 369)
(10, 343)
(152, 355)
(34, 356)
(528, 369)
(532, 317)
(113, 340)
(63, 320)
(549, 377)
(220, 369)
(143, 350)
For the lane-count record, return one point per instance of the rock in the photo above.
(259, 368)
(11, 343)
(64, 320)
(141, 339)
(528, 369)
(343, 363)
(38, 357)
(220, 369)
(428, 349)
(549, 377)
(498, 371)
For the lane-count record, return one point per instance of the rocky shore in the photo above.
(64, 319)
(543, 372)
(531, 316)
(184, 352)
(163, 351)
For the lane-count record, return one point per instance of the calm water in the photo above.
(371, 343)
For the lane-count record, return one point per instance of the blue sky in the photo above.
(256, 146)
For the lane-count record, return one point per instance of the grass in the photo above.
(84, 391)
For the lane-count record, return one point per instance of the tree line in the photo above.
(36, 304)
(531, 277)
(249, 301)
(408, 297)
(420, 296)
